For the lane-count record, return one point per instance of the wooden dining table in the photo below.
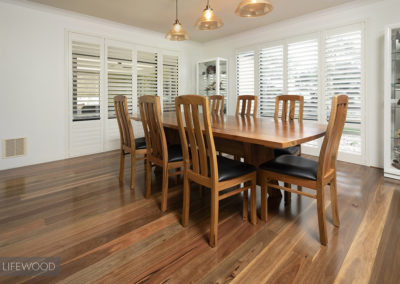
(252, 138)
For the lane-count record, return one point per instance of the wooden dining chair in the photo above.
(288, 114)
(168, 157)
(309, 173)
(216, 104)
(129, 145)
(247, 105)
(203, 167)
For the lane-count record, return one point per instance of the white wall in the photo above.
(33, 75)
(375, 14)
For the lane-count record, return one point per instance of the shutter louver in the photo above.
(271, 78)
(85, 81)
(170, 82)
(343, 76)
(303, 75)
(146, 73)
(119, 67)
(245, 73)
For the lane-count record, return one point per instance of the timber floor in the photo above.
(104, 232)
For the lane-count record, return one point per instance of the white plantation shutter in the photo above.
(86, 68)
(271, 78)
(170, 82)
(245, 73)
(343, 76)
(303, 75)
(146, 73)
(119, 76)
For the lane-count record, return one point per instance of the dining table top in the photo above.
(263, 131)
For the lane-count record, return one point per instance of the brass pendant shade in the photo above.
(177, 33)
(253, 8)
(208, 20)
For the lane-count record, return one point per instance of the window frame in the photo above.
(103, 133)
(321, 36)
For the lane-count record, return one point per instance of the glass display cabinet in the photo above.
(392, 102)
(212, 78)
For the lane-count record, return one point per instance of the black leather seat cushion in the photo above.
(292, 165)
(175, 153)
(140, 143)
(229, 169)
(287, 151)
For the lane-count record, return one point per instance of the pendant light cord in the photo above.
(176, 12)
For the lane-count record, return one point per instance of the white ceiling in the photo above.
(158, 15)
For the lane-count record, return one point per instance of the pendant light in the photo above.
(208, 20)
(253, 8)
(177, 32)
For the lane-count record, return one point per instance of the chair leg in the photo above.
(264, 198)
(299, 188)
(178, 176)
(122, 166)
(334, 203)
(321, 216)
(245, 204)
(253, 201)
(214, 218)
(148, 178)
(287, 194)
(133, 170)
(164, 193)
(186, 201)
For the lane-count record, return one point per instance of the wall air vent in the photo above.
(14, 147)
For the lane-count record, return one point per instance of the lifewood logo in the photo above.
(29, 266)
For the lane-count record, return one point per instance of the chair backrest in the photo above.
(150, 114)
(124, 122)
(195, 121)
(330, 145)
(216, 104)
(246, 105)
(289, 101)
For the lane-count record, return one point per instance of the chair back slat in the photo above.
(217, 104)
(150, 113)
(247, 105)
(330, 145)
(289, 107)
(192, 137)
(201, 146)
(195, 125)
(124, 122)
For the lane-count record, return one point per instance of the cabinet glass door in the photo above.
(395, 98)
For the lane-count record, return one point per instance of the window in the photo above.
(170, 82)
(303, 75)
(146, 74)
(317, 67)
(343, 76)
(86, 67)
(271, 78)
(100, 69)
(119, 77)
(245, 73)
